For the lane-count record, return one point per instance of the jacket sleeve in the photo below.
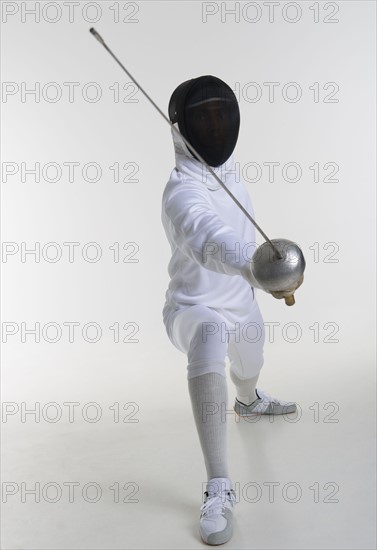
(205, 238)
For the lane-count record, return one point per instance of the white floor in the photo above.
(320, 465)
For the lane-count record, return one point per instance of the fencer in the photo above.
(210, 310)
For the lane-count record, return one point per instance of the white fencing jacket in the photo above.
(211, 240)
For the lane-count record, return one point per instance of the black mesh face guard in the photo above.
(208, 116)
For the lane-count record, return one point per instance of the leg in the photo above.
(245, 352)
(197, 331)
(208, 394)
(245, 389)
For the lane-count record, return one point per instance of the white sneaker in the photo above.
(265, 404)
(216, 518)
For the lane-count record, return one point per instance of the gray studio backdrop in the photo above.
(85, 158)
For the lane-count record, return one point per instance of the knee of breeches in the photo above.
(205, 368)
(207, 351)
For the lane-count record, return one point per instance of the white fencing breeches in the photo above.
(208, 335)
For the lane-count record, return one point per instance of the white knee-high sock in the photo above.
(245, 388)
(209, 394)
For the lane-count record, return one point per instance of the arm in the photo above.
(205, 238)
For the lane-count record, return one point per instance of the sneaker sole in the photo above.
(288, 411)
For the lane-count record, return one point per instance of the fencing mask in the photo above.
(208, 116)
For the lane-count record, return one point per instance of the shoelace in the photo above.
(215, 503)
(266, 397)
